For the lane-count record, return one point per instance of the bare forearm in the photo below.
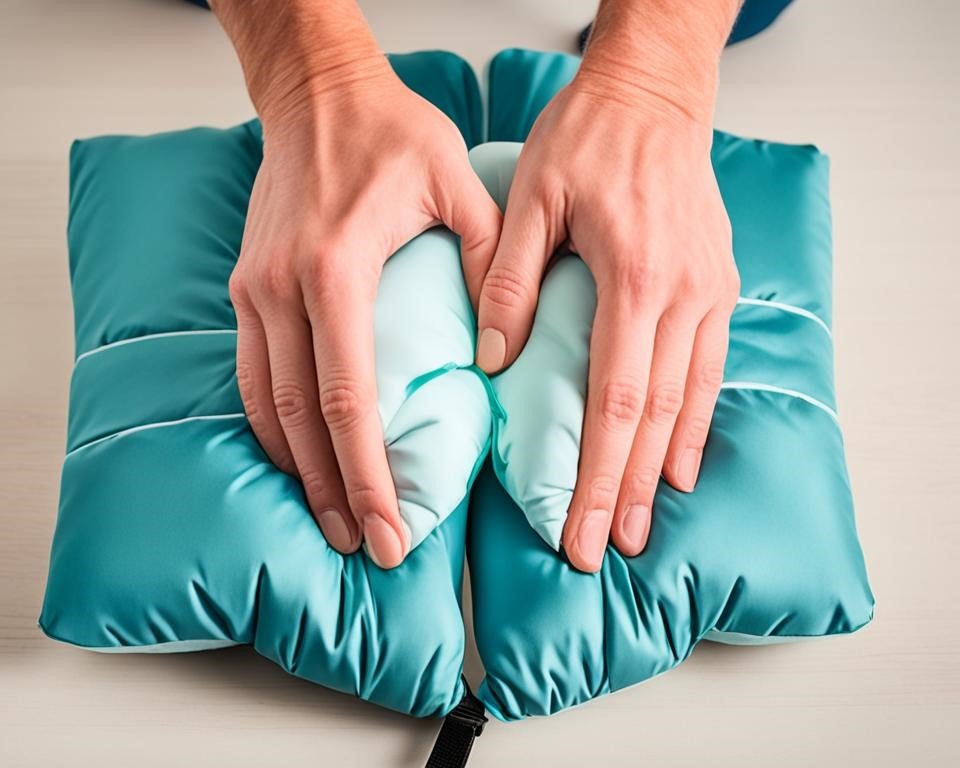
(666, 48)
(296, 49)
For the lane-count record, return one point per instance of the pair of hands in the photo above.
(353, 170)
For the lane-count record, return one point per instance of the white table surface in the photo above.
(875, 83)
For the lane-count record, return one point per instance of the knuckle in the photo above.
(246, 383)
(733, 283)
(285, 464)
(274, 278)
(639, 279)
(549, 184)
(697, 429)
(314, 483)
(505, 286)
(366, 502)
(292, 405)
(602, 489)
(698, 286)
(341, 403)
(332, 275)
(709, 377)
(666, 400)
(621, 403)
(643, 480)
(726, 230)
(237, 288)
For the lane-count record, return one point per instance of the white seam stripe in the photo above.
(150, 337)
(157, 425)
(734, 385)
(794, 310)
(210, 332)
(758, 386)
(742, 385)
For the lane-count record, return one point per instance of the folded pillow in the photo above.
(175, 531)
(764, 550)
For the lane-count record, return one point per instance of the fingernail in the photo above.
(491, 350)
(593, 535)
(688, 467)
(383, 543)
(335, 530)
(636, 526)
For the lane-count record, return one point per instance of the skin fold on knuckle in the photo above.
(504, 288)
(637, 281)
(246, 383)
(620, 403)
(315, 487)
(292, 404)
(274, 281)
(695, 432)
(600, 492)
(665, 401)
(640, 485)
(709, 377)
(238, 290)
(367, 501)
(341, 403)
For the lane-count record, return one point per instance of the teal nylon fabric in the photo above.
(174, 530)
(764, 549)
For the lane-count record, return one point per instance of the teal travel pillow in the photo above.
(764, 550)
(176, 533)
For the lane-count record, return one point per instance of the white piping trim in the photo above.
(149, 337)
(792, 309)
(755, 385)
(157, 425)
(737, 385)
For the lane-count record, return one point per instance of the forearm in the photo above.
(292, 50)
(667, 49)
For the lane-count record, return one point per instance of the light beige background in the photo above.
(875, 83)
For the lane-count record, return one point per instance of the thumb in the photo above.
(508, 298)
(466, 208)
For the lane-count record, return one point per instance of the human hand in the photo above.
(619, 169)
(355, 165)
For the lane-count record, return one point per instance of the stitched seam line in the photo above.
(156, 425)
(791, 308)
(794, 310)
(150, 337)
(738, 385)
(761, 387)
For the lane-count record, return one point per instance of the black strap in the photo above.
(455, 740)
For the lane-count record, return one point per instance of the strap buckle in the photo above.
(460, 727)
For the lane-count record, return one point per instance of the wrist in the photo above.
(304, 87)
(294, 52)
(659, 54)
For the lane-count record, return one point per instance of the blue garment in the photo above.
(754, 17)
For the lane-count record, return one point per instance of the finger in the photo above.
(466, 208)
(508, 298)
(620, 354)
(253, 381)
(671, 359)
(342, 319)
(682, 464)
(298, 409)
